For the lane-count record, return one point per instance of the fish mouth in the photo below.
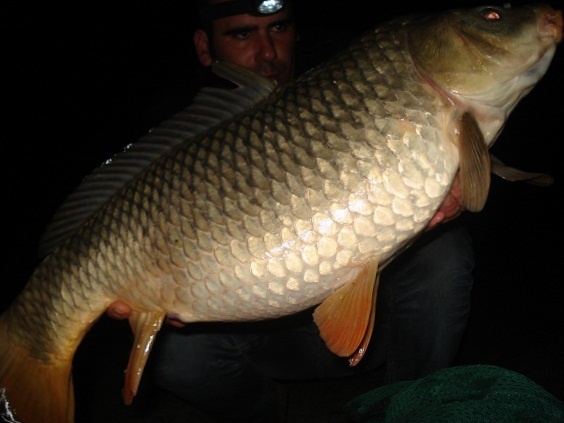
(551, 23)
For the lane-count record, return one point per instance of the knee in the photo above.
(186, 363)
(177, 362)
(436, 269)
(446, 256)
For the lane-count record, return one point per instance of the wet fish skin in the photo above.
(270, 213)
(216, 176)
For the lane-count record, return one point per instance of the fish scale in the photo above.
(339, 178)
(290, 147)
(299, 198)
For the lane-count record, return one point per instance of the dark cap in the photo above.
(211, 12)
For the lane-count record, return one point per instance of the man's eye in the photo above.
(241, 35)
(280, 27)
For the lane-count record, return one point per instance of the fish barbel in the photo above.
(298, 200)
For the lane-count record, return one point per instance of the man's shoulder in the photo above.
(177, 95)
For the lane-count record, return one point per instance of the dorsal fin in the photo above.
(475, 169)
(210, 107)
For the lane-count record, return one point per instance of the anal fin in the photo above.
(145, 326)
(346, 319)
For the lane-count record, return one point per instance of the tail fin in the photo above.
(38, 392)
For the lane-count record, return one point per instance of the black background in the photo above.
(79, 77)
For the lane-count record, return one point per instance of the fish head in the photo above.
(487, 55)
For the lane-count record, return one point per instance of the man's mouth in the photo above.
(272, 72)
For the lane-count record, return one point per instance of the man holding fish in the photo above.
(228, 370)
(262, 201)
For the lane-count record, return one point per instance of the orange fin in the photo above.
(475, 167)
(37, 391)
(145, 327)
(346, 319)
(355, 358)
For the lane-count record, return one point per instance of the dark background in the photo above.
(79, 82)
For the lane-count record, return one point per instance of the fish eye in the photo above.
(490, 14)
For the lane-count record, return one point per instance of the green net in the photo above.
(476, 393)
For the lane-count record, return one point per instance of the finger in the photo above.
(175, 322)
(118, 310)
(435, 220)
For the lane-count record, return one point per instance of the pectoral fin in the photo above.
(145, 327)
(346, 319)
(475, 165)
(512, 174)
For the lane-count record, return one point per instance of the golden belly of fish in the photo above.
(329, 180)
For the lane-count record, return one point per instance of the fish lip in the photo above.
(551, 23)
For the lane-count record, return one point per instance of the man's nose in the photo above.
(267, 51)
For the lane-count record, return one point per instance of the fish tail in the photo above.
(37, 391)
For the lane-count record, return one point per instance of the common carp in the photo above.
(282, 199)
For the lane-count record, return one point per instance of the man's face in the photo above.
(262, 44)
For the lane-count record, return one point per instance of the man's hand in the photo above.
(120, 311)
(451, 207)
